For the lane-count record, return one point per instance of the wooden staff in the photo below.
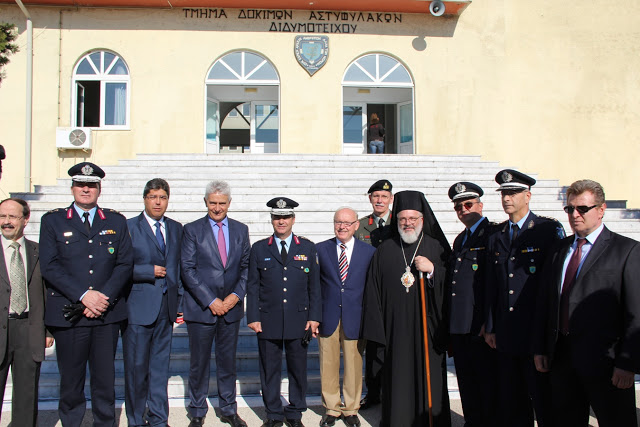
(425, 336)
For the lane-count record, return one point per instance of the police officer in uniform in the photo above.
(284, 308)
(515, 254)
(86, 259)
(475, 361)
(374, 229)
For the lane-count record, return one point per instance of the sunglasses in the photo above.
(581, 209)
(467, 205)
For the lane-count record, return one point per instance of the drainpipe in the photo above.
(29, 113)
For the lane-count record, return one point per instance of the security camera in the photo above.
(436, 8)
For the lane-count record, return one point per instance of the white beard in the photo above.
(410, 237)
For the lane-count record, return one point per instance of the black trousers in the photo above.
(476, 371)
(25, 373)
(75, 347)
(374, 362)
(573, 392)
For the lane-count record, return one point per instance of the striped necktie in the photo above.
(343, 263)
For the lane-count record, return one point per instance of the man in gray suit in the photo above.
(22, 335)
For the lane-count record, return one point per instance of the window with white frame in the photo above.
(101, 85)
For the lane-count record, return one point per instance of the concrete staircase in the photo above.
(321, 184)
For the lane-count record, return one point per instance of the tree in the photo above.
(8, 34)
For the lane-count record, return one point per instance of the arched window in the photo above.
(101, 91)
(243, 68)
(377, 70)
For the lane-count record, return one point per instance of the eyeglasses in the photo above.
(154, 198)
(410, 220)
(344, 223)
(10, 217)
(467, 205)
(582, 209)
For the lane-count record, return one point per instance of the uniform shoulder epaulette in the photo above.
(304, 238)
(550, 218)
(113, 211)
(53, 210)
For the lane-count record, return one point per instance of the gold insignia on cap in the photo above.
(507, 177)
(460, 188)
(87, 170)
(385, 186)
(281, 204)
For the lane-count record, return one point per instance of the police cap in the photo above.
(282, 206)
(464, 190)
(86, 172)
(513, 180)
(382, 185)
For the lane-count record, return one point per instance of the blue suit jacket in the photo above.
(338, 301)
(203, 274)
(145, 296)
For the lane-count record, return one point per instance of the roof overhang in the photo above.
(398, 6)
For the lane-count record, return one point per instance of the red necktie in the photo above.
(569, 281)
(222, 245)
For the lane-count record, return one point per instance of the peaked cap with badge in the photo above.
(282, 206)
(86, 172)
(381, 185)
(510, 179)
(465, 190)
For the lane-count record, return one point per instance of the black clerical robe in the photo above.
(393, 317)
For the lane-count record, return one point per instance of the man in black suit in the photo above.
(153, 303)
(215, 266)
(588, 317)
(22, 335)
(475, 361)
(516, 252)
(86, 258)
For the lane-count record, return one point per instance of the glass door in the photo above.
(212, 127)
(265, 124)
(354, 128)
(405, 128)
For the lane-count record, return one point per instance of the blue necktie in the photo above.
(159, 237)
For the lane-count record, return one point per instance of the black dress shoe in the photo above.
(234, 420)
(272, 423)
(294, 423)
(351, 421)
(369, 401)
(196, 422)
(328, 421)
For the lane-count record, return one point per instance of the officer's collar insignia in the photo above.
(281, 204)
(385, 186)
(480, 233)
(270, 240)
(460, 188)
(507, 177)
(101, 214)
(295, 238)
(531, 224)
(87, 170)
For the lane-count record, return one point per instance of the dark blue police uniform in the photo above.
(74, 261)
(283, 297)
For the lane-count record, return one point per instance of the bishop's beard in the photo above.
(410, 236)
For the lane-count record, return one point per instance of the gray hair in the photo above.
(218, 187)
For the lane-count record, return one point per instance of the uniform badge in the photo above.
(532, 269)
(474, 267)
(87, 170)
(460, 188)
(560, 232)
(68, 234)
(531, 224)
(385, 186)
(507, 177)
(105, 232)
(111, 250)
(300, 258)
(306, 270)
(281, 204)
(267, 259)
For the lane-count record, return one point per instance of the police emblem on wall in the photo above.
(311, 52)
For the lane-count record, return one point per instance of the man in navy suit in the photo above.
(215, 266)
(344, 262)
(588, 317)
(86, 259)
(152, 306)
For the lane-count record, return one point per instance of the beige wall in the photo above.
(531, 84)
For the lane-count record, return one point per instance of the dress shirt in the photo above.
(348, 250)
(520, 224)
(225, 230)
(287, 243)
(152, 224)
(591, 239)
(80, 211)
(376, 219)
(8, 252)
(472, 230)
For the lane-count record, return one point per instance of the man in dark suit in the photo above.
(475, 361)
(215, 263)
(284, 308)
(22, 332)
(86, 259)
(588, 317)
(343, 262)
(516, 252)
(153, 304)
(374, 229)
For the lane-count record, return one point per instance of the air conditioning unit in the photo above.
(76, 138)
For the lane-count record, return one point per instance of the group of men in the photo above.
(536, 323)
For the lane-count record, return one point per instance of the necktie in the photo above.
(569, 281)
(343, 263)
(283, 251)
(381, 223)
(159, 236)
(18, 297)
(222, 245)
(467, 236)
(514, 232)
(87, 224)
